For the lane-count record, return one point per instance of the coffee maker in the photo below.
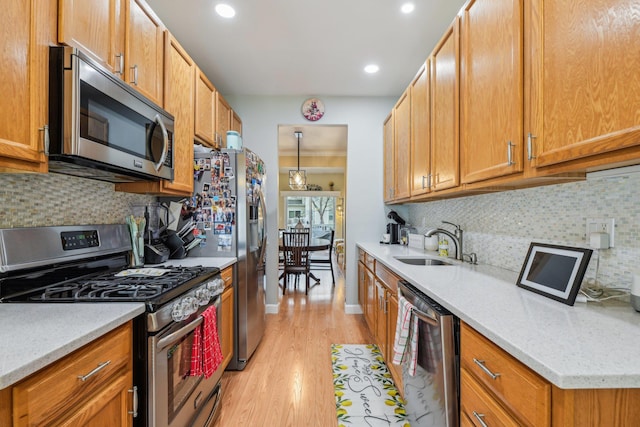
(393, 228)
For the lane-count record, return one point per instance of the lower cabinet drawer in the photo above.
(227, 276)
(478, 407)
(51, 392)
(518, 388)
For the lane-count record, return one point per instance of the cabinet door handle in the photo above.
(530, 138)
(134, 392)
(46, 141)
(480, 417)
(135, 75)
(100, 367)
(494, 376)
(120, 63)
(510, 146)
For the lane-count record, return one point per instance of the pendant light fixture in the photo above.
(298, 178)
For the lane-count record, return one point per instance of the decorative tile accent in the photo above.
(499, 227)
(32, 200)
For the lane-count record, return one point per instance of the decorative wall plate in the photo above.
(313, 109)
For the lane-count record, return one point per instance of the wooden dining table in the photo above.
(315, 244)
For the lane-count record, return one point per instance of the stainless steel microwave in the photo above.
(101, 128)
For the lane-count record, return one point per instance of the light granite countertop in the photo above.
(588, 345)
(36, 335)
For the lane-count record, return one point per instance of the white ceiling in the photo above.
(309, 48)
(321, 140)
(304, 47)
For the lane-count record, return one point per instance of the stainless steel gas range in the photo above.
(90, 264)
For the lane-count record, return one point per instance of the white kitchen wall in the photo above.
(499, 227)
(365, 215)
(32, 200)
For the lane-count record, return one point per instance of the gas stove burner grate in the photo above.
(108, 287)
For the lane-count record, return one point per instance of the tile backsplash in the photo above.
(30, 200)
(499, 227)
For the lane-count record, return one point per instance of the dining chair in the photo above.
(324, 260)
(296, 258)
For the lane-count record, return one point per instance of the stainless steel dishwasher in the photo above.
(432, 395)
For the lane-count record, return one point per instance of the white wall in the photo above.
(365, 213)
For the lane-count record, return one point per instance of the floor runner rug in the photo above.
(364, 391)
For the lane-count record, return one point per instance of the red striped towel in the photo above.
(206, 354)
(405, 344)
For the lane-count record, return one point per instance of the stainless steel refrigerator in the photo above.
(230, 217)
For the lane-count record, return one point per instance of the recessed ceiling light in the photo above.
(225, 10)
(407, 8)
(371, 68)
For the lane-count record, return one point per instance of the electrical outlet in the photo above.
(601, 225)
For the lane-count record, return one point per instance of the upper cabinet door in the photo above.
(96, 27)
(205, 109)
(144, 50)
(402, 145)
(387, 160)
(223, 119)
(420, 129)
(445, 109)
(492, 89)
(30, 26)
(236, 122)
(585, 79)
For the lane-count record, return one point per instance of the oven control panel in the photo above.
(72, 240)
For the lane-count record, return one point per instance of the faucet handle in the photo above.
(455, 225)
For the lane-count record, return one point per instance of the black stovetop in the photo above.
(100, 283)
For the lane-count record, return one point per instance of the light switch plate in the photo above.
(601, 225)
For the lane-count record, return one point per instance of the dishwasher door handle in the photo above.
(425, 317)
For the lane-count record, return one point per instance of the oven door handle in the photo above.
(177, 335)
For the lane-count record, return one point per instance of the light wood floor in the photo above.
(288, 381)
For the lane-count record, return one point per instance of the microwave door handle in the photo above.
(165, 136)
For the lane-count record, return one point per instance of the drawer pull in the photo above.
(485, 369)
(134, 391)
(95, 371)
(480, 417)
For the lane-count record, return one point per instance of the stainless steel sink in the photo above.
(421, 261)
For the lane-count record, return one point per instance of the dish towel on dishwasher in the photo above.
(206, 354)
(405, 344)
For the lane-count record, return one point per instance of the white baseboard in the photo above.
(352, 309)
(271, 308)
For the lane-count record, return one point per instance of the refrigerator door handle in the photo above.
(263, 249)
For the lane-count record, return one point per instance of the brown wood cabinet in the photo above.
(226, 321)
(388, 155)
(144, 50)
(388, 281)
(179, 90)
(378, 295)
(96, 27)
(508, 383)
(492, 89)
(585, 95)
(205, 110)
(223, 119)
(24, 66)
(236, 122)
(57, 395)
(420, 153)
(125, 36)
(517, 396)
(402, 146)
(445, 108)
